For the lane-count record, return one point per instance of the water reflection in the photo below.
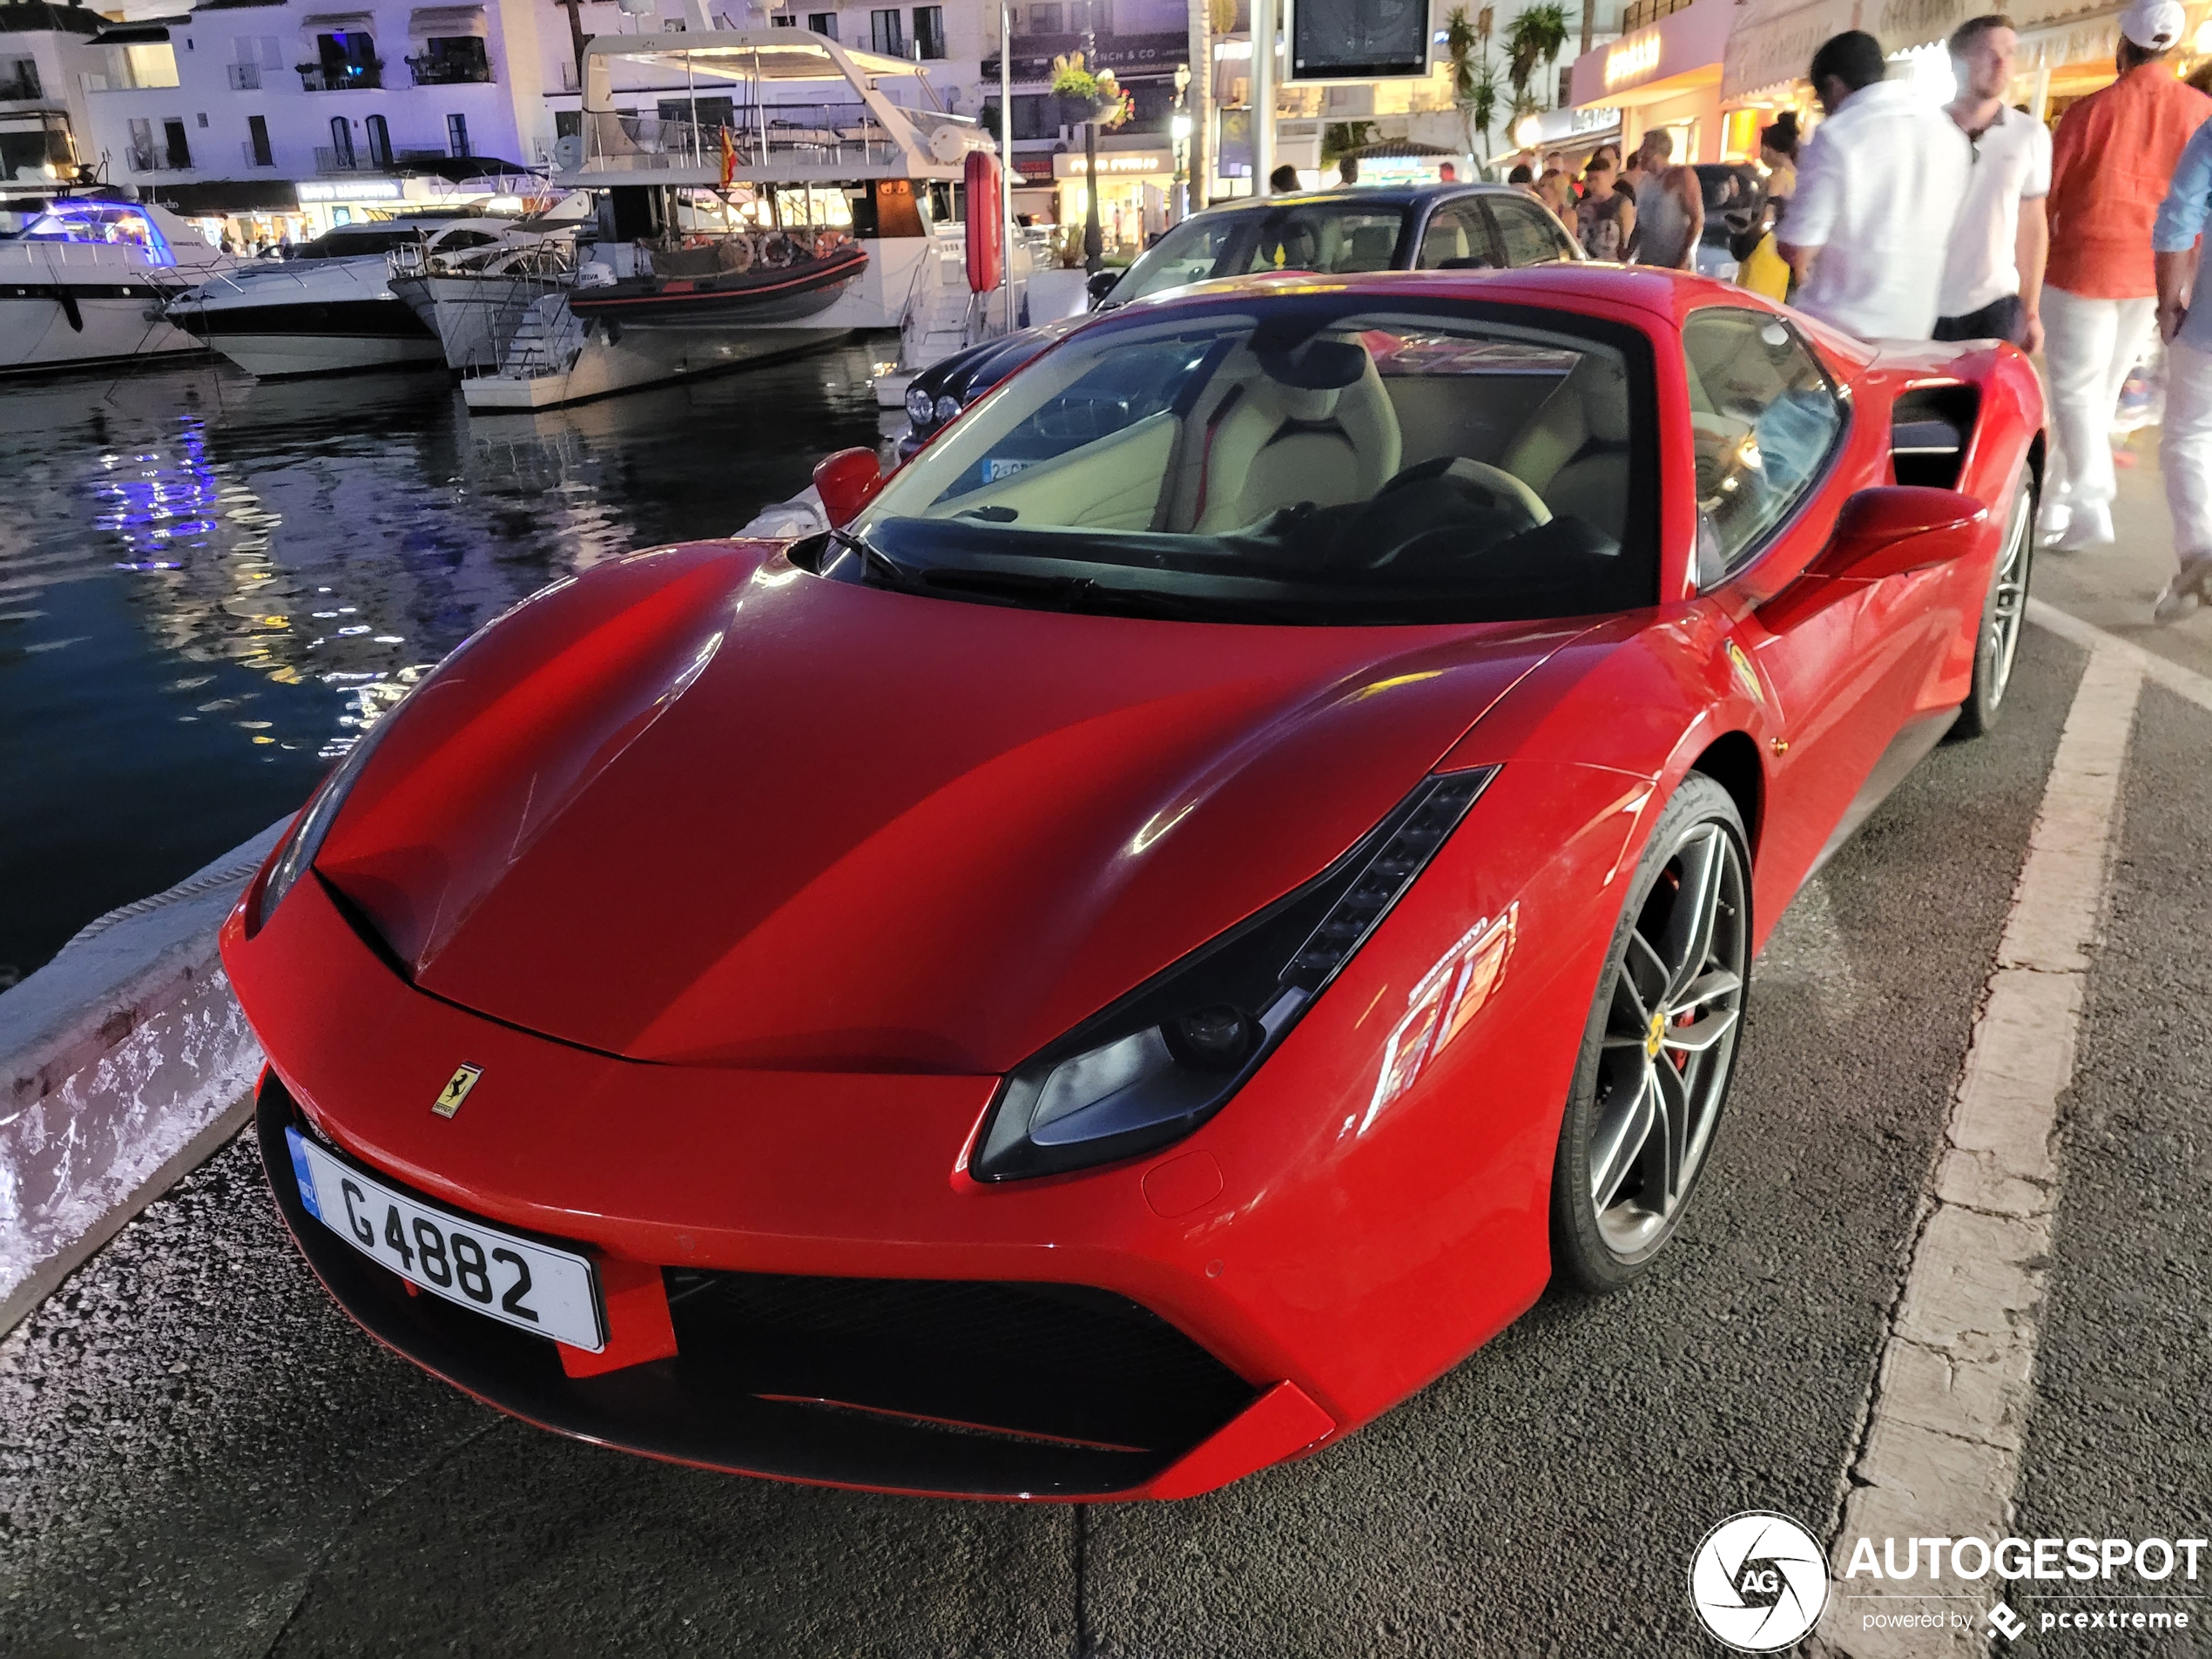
(208, 584)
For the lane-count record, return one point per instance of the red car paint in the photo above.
(743, 888)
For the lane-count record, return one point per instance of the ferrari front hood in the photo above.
(701, 806)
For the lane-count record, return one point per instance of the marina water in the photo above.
(206, 580)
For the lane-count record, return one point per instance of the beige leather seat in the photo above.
(1575, 450)
(1276, 445)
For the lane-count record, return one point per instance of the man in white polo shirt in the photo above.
(1879, 190)
(1992, 279)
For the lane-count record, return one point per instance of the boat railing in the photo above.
(757, 136)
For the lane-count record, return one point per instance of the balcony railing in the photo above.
(18, 89)
(432, 72)
(157, 158)
(246, 146)
(345, 78)
(330, 160)
(244, 77)
(760, 136)
(1641, 14)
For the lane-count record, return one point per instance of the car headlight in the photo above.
(947, 409)
(917, 407)
(1166, 1057)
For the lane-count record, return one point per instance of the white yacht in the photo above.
(788, 198)
(330, 305)
(473, 298)
(84, 282)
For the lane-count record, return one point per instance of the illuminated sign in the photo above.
(383, 190)
(1127, 161)
(1631, 59)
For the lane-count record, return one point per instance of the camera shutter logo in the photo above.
(1758, 1581)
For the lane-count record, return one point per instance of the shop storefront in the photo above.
(1133, 189)
(1575, 134)
(1664, 72)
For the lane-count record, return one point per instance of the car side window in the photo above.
(1458, 238)
(1528, 233)
(1763, 420)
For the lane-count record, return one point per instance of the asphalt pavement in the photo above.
(199, 1455)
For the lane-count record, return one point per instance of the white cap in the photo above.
(2156, 25)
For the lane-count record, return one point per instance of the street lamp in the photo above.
(1527, 132)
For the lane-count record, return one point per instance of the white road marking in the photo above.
(2182, 682)
(1945, 1424)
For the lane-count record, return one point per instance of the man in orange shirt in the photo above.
(2110, 163)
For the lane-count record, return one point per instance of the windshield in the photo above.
(116, 223)
(1326, 461)
(1331, 237)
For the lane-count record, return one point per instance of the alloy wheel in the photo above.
(1675, 1003)
(2001, 637)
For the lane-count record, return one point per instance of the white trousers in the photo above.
(2089, 346)
(2185, 449)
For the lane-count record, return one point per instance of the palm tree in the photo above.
(1474, 78)
(1536, 36)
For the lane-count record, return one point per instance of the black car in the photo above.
(1419, 227)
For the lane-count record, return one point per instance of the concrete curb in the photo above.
(124, 1063)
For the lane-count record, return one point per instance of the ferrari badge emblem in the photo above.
(456, 1090)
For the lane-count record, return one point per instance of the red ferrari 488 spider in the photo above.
(1166, 927)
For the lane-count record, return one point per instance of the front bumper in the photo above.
(959, 1387)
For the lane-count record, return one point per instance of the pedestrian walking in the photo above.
(2185, 443)
(1778, 155)
(1283, 179)
(1992, 273)
(1671, 207)
(2111, 161)
(1879, 190)
(1606, 220)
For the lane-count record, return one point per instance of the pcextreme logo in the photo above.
(1758, 1581)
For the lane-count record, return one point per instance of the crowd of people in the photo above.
(2075, 244)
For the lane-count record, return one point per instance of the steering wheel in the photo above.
(1493, 487)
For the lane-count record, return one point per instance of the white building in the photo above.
(42, 117)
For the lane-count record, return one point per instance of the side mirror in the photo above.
(1895, 528)
(1885, 531)
(847, 482)
(1102, 285)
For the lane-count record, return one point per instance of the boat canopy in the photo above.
(753, 55)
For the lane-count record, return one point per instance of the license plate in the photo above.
(517, 1281)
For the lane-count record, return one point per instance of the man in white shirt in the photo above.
(1879, 190)
(1992, 279)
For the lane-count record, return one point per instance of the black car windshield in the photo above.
(1331, 237)
(1320, 459)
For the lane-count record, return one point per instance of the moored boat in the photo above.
(780, 277)
(84, 283)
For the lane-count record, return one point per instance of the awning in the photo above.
(132, 34)
(229, 196)
(446, 23)
(1774, 42)
(1399, 150)
(337, 22)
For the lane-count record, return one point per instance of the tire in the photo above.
(1659, 1048)
(1997, 645)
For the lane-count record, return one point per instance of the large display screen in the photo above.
(1339, 40)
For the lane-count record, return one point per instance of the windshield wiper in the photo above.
(887, 571)
(1089, 595)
